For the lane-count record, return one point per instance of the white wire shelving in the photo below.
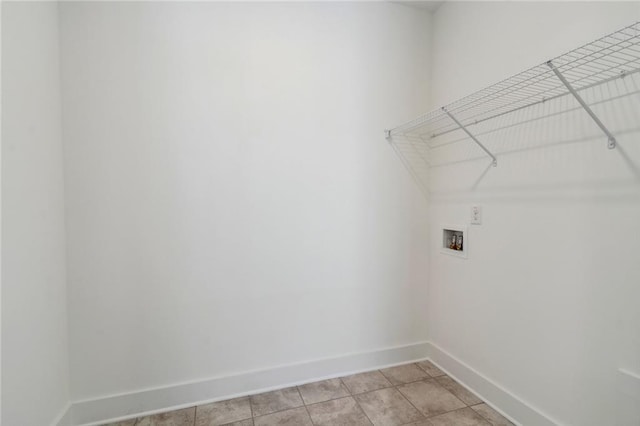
(609, 58)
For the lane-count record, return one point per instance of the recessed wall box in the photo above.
(454, 241)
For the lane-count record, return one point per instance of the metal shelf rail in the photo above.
(614, 56)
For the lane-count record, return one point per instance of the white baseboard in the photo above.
(64, 417)
(150, 401)
(502, 400)
(629, 383)
(627, 398)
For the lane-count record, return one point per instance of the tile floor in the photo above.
(417, 394)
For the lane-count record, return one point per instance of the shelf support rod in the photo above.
(611, 143)
(495, 160)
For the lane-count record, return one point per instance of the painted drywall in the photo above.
(34, 319)
(546, 303)
(232, 203)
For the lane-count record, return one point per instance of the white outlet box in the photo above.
(476, 215)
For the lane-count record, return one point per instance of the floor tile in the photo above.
(404, 374)
(387, 407)
(295, 417)
(463, 417)
(184, 417)
(430, 398)
(130, 422)
(247, 422)
(430, 368)
(458, 390)
(323, 391)
(270, 402)
(366, 382)
(495, 418)
(338, 412)
(223, 412)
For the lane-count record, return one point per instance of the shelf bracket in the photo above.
(611, 140)
(387, 135)
(495, 160)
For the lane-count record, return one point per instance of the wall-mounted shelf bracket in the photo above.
(461, 126)
(611, 140)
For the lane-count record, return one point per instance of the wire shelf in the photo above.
(609, 58)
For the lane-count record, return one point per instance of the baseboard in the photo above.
(629, 383)
(627, 398)
(502, 400)
(64, 417)
(150, 401)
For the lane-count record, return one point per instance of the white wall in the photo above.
(546, 304)
(34, 323)
(232, 203)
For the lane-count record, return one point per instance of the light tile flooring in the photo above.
(417, 394)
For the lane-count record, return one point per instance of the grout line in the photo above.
(372, 390)
(419, 421)
(410, 403)
(480, 414)
(350, 395)
(385, 376)
(195, 415)
(343, 385)
(309, 415)
(279, 411)
(429, 374)
(433, 379)
(462, 389)
(447, 412)
(332, 399)
(304, 404)
(452, 394)
(362, 409)
(300, 395)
